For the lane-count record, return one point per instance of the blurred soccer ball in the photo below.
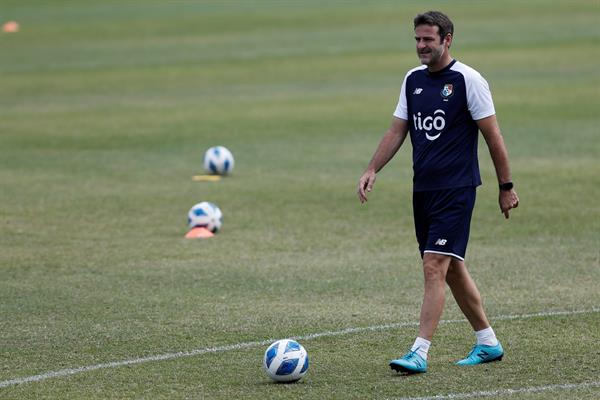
(286, 361)
(205, 215)
(218, 160)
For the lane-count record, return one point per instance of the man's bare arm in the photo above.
(388, 146)
(490, 130)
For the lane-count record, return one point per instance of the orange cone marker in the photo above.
(197, 233)
(10, 27)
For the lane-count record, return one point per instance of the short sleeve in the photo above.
(479, 97)
(402, 107)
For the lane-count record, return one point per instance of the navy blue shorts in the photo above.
(443, 220)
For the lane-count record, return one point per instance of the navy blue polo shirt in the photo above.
(441, 109)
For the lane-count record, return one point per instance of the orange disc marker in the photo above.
(199, 233)
(10, 27)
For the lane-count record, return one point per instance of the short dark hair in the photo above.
(436, 18)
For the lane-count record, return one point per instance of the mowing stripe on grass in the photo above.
(505, 392)
(239, 346)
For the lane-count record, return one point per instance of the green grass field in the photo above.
(106, 108)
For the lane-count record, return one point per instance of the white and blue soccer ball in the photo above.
(218, 160)
(286, 361)
(205, 215)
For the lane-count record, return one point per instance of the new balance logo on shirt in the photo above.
(418, 90)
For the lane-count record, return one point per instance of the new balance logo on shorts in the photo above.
(441, 242)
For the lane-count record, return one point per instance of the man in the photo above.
(443, 104)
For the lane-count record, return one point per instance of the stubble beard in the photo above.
(432, 57)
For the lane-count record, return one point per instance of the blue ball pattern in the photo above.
(287, 367)
(199, 212)
(271, 353)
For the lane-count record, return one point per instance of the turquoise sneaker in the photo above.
(410, 363)
(483, 354)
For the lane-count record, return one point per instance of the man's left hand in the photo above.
(508, 200)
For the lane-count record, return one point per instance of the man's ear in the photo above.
(448, 39)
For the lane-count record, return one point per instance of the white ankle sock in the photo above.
(421, 346)
(486, 337)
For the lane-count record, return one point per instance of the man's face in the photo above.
(430, 48)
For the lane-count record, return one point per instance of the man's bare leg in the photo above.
(468, 299)
(466, 294)
(435, 268)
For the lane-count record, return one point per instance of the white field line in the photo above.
(239, 346)
(506, 392)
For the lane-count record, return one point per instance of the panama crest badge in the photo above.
(447, 91)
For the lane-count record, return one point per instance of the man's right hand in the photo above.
(365, 184)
